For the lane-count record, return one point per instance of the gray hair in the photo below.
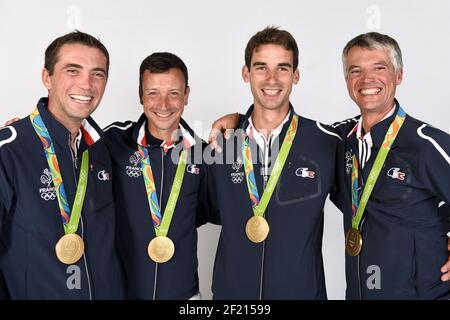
(375, 40)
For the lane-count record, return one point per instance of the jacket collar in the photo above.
(143, 137)
(378, 131)
(280, 132)
(90, 131)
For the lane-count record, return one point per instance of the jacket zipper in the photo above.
(265, 180)
(358, 257)
(75, 167)
(160, 205)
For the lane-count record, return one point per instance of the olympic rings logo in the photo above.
(134, 173)
(237, 177)
(47, 196)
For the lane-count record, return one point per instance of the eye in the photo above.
(72, 71)
(261, 68)
(354, 71)
(99, 75)
(379, 68)
(284, 69)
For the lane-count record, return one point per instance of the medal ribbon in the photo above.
(358, 206)
(70, 218)
(259, 207)
(161, 225)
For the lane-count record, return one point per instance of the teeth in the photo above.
(371, 91)
(271, 92)
(80, 98)
(163, 115)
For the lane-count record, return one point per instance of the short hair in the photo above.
(375, 40)
(75, 37)
(160, 62)
(271, 35)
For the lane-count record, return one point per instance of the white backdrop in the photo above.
(210, 36)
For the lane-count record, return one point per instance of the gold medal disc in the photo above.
(70, 248)
(257, 229)
(353, 242)
(161, 249)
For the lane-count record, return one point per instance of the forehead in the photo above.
(360, 55)
(81, 54)
(173, 77)
(272, 52)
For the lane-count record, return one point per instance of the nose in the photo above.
(367, 76)
(85, 81)
(272, 75)
(163, 102)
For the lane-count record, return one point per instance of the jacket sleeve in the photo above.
(203, 200)
(338, 192)
(208, 194)
(4, 293)
(6, 200)
(6, 191)
(436, 162)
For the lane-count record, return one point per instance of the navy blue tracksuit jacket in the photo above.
(405, 223)
(177, 278)
(288, 264)
(30, 223)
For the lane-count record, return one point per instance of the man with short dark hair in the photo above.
(160, 186)
(57, 215)
(271, 194)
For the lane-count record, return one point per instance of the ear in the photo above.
(141, 93)
(399, 76)
(46, 79)
(186, 95)
(245, 74)
(296, 76)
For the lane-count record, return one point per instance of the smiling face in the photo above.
(271, 76)
(372, 79)
(77, 84)
(164, 96)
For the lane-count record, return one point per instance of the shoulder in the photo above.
(424, 131)
(10, 135)
(429, 138)
(320, 130)
(118, 129)
(344, 127)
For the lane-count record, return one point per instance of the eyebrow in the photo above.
(257, 63)
(381, 62)
(283, 64)
(74, 65)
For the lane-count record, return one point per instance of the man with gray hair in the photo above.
(395, 180)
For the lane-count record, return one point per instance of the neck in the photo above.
(265, 121)
(73, 126)
(369, 119)
(164, 135)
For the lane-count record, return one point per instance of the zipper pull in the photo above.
(266, 179)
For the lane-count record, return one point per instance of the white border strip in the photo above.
(118, 127)
(327, 132)
(435, 144)
(10, 139)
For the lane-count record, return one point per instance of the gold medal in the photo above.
(161, 249)
(257, 229)
(353, 242)
(70, 248)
